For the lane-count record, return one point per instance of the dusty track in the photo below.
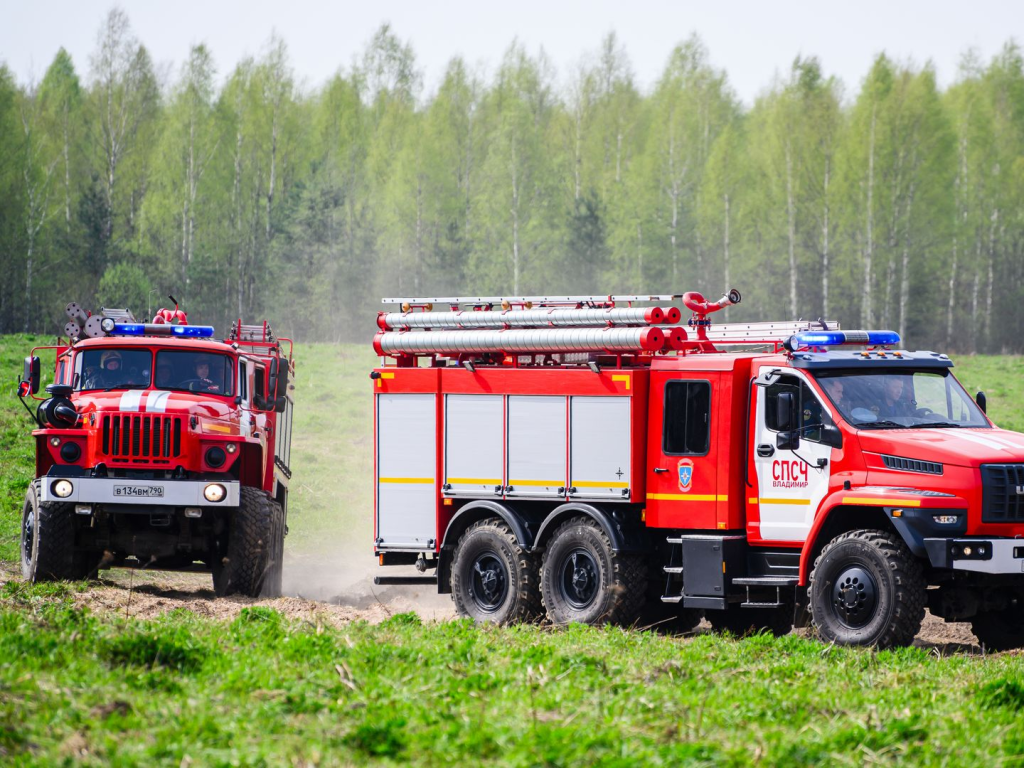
(149, 594)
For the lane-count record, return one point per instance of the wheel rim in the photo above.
(489, 584)
(854, 597)
(28, 533)
(578, 578)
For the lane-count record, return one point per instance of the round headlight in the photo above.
(214, 492)
(70, 452)
(107, 324)
(215, 457)
(231, 447)
(62, 488)
(54, 441)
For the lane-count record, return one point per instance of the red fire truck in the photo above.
(593, 460)
(160, 447)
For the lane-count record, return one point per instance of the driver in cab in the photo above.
(109, 373)
(202, 381)
(894, 403)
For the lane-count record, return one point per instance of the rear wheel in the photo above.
(1003, 629)
(584, 580)
(48, 542)
(250, 547)
(867, 589)
(275, 574)
(494, 579)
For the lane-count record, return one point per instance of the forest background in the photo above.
(897, 205)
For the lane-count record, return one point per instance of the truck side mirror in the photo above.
(272, 374)
(787, 412)
(982, 401)
(30, 374)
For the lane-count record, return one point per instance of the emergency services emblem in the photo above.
(685, 469)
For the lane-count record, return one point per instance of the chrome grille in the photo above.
(134, 436)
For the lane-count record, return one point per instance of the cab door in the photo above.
(682, 472)
(791, 481)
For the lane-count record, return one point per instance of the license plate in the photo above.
(139, 491)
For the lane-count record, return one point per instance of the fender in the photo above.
(465, 517)
(624, 537)
(911, 525)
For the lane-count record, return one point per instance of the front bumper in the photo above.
(980, 555)
(157, 493)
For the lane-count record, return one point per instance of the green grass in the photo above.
(264, 690)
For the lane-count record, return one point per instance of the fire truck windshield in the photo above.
(900, 399)
(110, 368)
(193, 372)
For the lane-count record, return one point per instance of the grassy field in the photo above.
(99, 688)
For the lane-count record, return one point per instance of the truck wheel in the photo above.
(585, 581)
(275, 574)
(250, 545)
(48, 542)
(748, 621)
(867, 589)
(493, 578)
(1001, 630)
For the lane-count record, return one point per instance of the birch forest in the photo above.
(888, 203)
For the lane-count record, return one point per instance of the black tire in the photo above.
(275, 574)
(867, 589)
(48, 542)
(1001, 630)
(583, 580)
(749, 621)
(250, 547)
(494, 579)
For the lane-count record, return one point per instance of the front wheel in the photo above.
(867, 589)
(48, 542)
(494, 579)
(251, 532)
(584, 580)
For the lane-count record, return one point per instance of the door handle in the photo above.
(765, 450)
(659, 470)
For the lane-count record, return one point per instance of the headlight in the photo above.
(54, 441)
(231, 447)
(215, 457)
(70, 452)
(213, 492)
(62, 488)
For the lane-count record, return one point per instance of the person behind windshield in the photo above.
(202, 381)
(109, 373)
(164, 375)
(834, 388)
(893, 402)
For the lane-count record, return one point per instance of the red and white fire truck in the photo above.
(160, 447)
(591, 458)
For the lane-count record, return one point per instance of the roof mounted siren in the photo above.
(817, 341)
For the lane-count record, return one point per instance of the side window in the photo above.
(687, 429)
(243, 381)
(811, 413)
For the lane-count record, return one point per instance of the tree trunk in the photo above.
(824, 240)
(905, 273)
(791, 231)
(867, 310)
(725, 250)
(515, 222)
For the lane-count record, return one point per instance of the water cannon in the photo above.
(701, 307)
(174, 316)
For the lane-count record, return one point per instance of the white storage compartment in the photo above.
(536, 446)
(474, 452)
(406, 468)
(600, 447)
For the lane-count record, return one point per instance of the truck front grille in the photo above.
(135, 436)
(1002, 499)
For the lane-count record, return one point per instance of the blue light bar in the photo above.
(129, 329)
(839, 338)
(192, 331)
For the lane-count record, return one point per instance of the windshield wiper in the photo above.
(938, 424)
(126, 386)
(881, 423)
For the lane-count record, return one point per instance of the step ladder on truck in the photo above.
(599, 459)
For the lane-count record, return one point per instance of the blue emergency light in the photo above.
(163, 329)
(192, 331)
(840, 338)
(129, 329)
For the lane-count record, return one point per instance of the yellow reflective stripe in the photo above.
(535, 483)
(752, 500)
(598, 484)
(619, 377)
(407, 480)
(793, 502)
(877, 502)
(218, 428)
(686, 497)
(474, 481)
(386, 375)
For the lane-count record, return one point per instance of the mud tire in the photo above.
(598, 586)
(250, 547)
(896, 578)
(48, 542)
(275, 575)
(494, 579)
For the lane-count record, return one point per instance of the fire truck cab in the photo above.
(574, 458)
(160, 447)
